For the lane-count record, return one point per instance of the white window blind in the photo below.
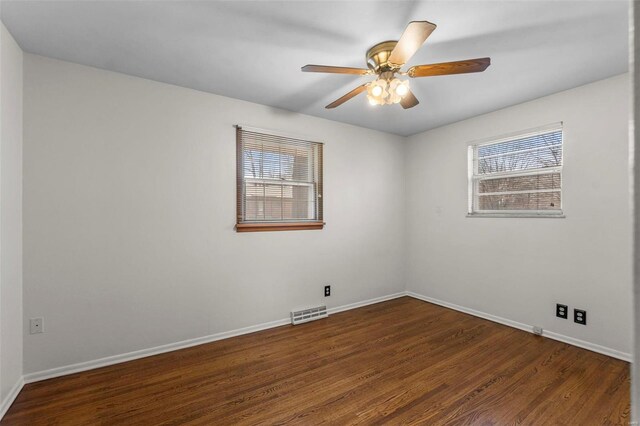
(279, 179)
(520, 174)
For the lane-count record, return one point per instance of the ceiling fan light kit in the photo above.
(386, 60)
(387, 90)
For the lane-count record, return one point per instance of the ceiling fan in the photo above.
(387, 58)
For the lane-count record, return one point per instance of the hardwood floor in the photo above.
(399, 362)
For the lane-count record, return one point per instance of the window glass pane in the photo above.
(272, 209)
(271, 165)
(526, 201)
(300, 203)
(537, 159)
(519, 144)
(534, 152)
(254, 209)
(252, 163)
(301, 167)
(520, 183)
(254, 201)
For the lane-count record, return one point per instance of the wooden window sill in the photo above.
(285, 226)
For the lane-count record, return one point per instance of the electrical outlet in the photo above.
(35, 325)
(327, 290)
(580, 316)
(562, 311)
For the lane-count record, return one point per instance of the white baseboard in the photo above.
(366, 302)
(526, 327)
(614, 353)
(130, 356)
(8, 400)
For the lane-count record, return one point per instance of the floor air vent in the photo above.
(310, 314)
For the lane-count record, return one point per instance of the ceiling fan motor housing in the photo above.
(378, 57)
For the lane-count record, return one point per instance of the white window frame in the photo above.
(474, 178)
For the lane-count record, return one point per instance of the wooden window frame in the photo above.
(277, 226)
(264, 226)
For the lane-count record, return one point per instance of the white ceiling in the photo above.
(254, 50)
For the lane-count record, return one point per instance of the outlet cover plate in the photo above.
(580, 316)
(327, 290)
(562, 311)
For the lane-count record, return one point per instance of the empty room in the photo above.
(317, 212)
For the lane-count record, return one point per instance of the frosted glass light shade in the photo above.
(384, 92)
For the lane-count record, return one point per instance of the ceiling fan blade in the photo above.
(335, 70)
(409, 100)
(412, 39)
(348, 96)
(446, 68)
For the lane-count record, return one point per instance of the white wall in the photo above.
(518, 269)
(10, 213)
(129, 213)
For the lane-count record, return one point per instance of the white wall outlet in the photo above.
(36, 325)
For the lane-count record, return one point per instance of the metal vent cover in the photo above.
(309, 314)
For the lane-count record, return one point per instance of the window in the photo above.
(519, 175)
(279, 182)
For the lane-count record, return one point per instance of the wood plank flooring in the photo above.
(399, 362)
